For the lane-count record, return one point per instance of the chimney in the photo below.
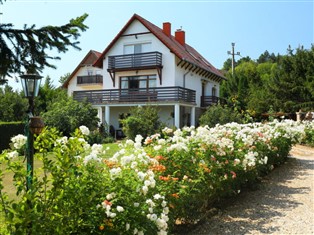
(180, 36)
(167, 28)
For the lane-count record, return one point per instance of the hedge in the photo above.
(7, 131)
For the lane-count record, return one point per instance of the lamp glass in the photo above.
(30, 84)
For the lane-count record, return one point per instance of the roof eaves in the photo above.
(221, 77)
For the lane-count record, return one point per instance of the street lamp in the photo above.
(34, 125)
(30, 84)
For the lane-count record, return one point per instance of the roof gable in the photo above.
(186, 53)
(89, 59)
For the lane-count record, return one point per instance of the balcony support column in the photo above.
(177, 115)
(100, 114)
(192, 116)
(107, 115)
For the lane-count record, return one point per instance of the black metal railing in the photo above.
(131, 61)
(140, 95)
(90, 79)
(211, 100)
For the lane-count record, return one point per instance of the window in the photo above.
(214, 91)
(137, 48)
(135, 82)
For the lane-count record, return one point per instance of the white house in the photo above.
(145, 64)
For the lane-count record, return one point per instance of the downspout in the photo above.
(184, 75)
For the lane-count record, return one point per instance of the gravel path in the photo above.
(282, 204)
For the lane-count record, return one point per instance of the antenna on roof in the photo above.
(233, 54)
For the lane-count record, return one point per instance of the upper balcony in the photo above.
(139, 61)
(139, 95)
(148, 60)
(90, 80)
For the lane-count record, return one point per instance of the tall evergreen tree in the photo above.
(293, 83)
(26, 49)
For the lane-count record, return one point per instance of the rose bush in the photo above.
(147, 186)
(309, 133)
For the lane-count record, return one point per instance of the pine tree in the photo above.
(26, 49)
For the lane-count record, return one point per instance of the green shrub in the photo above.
(309, 134)
(100, 136)
(218, 114)
(143, 121)
(68, 114)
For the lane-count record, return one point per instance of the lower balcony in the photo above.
(211, 100)
(139, 95)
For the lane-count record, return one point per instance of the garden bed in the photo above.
(148, 185)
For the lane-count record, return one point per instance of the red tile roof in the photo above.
(90, 58)
(188, 56)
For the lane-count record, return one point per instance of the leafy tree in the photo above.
(218, 114)
(229, 87)
(284, 81)
(266, 57)
(12, 105)
(64, 78)
(48, 94)
(227, 65)
(67, 114)
(26, 49)
(238, 84)
(244, 59)
(259, 100)
(265, 71)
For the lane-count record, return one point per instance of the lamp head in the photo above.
(30, 84)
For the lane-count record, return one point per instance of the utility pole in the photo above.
(233, 54)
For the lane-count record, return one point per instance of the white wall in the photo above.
(168, 59)
(172, 75)
(83, 71)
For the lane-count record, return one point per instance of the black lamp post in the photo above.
(30, 84)
(34, 125)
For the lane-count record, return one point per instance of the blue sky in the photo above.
(210, 26)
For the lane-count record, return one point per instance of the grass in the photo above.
(9, 188)
(111, 148)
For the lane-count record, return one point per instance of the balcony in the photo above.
(138, 61)
(140, 95)
(210, 100)
(89, 79)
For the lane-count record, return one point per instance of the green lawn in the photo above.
(112, 148)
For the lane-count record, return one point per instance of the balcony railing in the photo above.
(135, 61)
(210, 100)
(90, 79)
(140, 95)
